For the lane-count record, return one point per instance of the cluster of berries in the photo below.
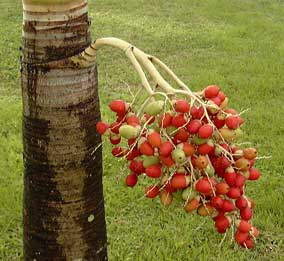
(186, 147)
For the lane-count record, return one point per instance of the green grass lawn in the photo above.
(238, 45)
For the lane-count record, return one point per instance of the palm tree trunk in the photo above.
(63, 212)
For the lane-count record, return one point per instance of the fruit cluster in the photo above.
(186, 147)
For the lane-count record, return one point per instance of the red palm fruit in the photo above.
(220, 213)
(169, 188)
(188, 149)
(230, 178)
(222, 223)
(217, 202)
(240, 120)
(117, 152)
(192, 204)
(246, 213)
(222, 188)
(211, 91)
(196, 112)
(149, 118)
(205, 210)
(132, 154)
(154, 171)
(167, 161)
(118, 106)
(228, 205)
(254, 231)
(216, 100)
(232, 122)
(131, 141)
(206, 148)
(234, 193)
(137, 166)
(220, 230)
(181, 106)
(131, 180)
(250, 153)
(203, 185)
(254, 174)
(182, 135)
(120, 118)
(221, 96)
(244, 226)
(201, 162)
(194, 126)
(248, 243)
(240, 180)
(115, 127)
(133, 120)
(180, 181)
(115, 139)
(154, 138)
(102, 127)
(146, 149)
(241, 203)
(152, 191)
(224, 162)
(178, 120)
(241, 237)
(166, 198)
(165, 120)
(218, 123)
(166, 149)
(205, 131)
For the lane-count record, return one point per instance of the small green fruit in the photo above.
(150, 160)
(178, 155)
(198, 141)
(129, 132)
(189, 194)
(154, 108)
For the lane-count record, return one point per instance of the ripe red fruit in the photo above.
(222, 223)
(205, 131)
(240, 180)
(133, 120)
(241, 203)
(118, 106)
(232, 122)
(244, 226)
(102, 127)
(234, 193)
(115, 139)
(132, 154)
(165, 120)
(248, 243)
(222, 188)
(224, 162)
(211, 91)
(218, 123)
(206, 148)
(201, 162)
(181, 106)
(131, 180)
(178, 120)
(154, 138)
(147, 117)
(188, 149)
(194, 126)
(154, 171)
(137, 166)
(146, 149)
(221, 96)
(180, 181)
(167, 161)
(166, 149)
(196, 112)
(217, 202)
(254, 174)
(230, 178)
(241, 237)
(152, 191)
(192, 205)
(182, 135)
(203, 186)
(228, 205)
(117, 152)
(246, 213)
(216, 100)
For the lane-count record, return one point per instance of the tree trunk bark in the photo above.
(63, 212)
